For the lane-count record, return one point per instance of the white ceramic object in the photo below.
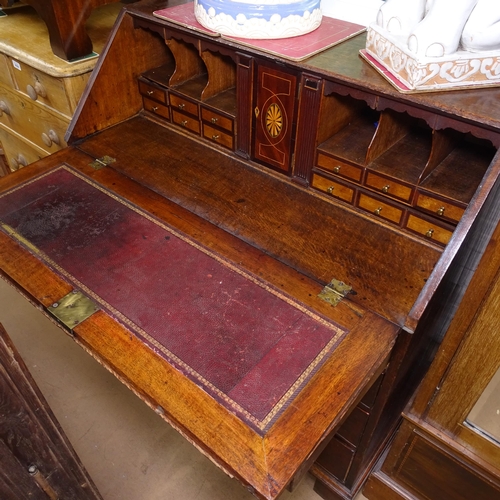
(264, 19)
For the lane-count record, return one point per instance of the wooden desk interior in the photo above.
(394, 196)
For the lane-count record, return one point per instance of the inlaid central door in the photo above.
(275, 112)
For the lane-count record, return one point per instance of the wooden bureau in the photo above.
(361, 208)
(39, 91)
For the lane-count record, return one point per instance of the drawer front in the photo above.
(30, 120)
(18, 152)
(186, 121)
(336, 458)
(184, 105)
(61, 94)
(337, 167)
(156, 108)
(5, 77)
(217, 136)
(352, 429)
(333, 188)
(388, 187)
(428, 229)
(209, 116)
(439, 208)
(380, 208)
(153, 92)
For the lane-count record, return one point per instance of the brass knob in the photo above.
(214, 120)
(440, 211)
(181, 105)
(377, 212)
(154, 108)
(429, 233)
(330, 190)
(216, 137)
(386, 188)
(4, 108)
(150, 92)
(184, 123)
(337, 169)
(51, 138)
(36, 90)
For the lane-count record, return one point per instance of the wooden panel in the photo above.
(389, 187)
(274, 117)
(19, 152)
(184, 105)
(186, 121)
(426, 469)
(5, 76)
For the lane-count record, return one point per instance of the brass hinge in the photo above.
(73, 309)
(334, 292)
(99, 163)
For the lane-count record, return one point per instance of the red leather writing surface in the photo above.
(244, 342)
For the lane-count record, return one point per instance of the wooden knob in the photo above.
(4, 108)
(36, 90)
(51, 138)
(17, 163)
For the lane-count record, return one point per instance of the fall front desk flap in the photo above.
(251, 348)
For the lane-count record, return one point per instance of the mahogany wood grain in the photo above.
(221, 74)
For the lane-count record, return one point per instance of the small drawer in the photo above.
(388, 187)
(380, 208)
(439, 208)
(156, 108)
(153, 92)
(184, 105)
(18, 152)
(333, 188)
(60, 94)
(217, 120)
(429, 230)
(217, 136)
(186, 121)
(38, 124)
(337, 167)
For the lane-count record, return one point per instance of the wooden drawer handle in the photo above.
(51, 138)
(17, 163)
(440, 211)
(429, 233)
(377, 212)
(4, 108)
(386, 188)
(36, 90)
